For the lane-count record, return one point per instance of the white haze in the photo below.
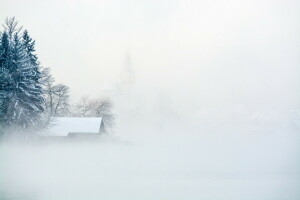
(213, 114)
(145, 162)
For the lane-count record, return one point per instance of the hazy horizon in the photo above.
(211, 53)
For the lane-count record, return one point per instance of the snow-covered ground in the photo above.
(216, 160)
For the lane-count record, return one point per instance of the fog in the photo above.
(214, 156)
(211, 162)
(211, 112)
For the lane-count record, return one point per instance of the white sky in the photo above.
(209, 51)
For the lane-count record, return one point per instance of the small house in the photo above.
(79, 127)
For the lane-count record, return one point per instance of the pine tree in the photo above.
(35, 89)
(5, 83)
(22, 101)
(29, 46)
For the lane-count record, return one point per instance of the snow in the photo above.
(61, 126)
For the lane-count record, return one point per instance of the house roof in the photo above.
(62, 126)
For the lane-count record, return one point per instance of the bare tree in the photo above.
(47, 82)
(56, 95)
(83, 108)
(61, 100)
(103, 108)
(11, 26)
(96, 108)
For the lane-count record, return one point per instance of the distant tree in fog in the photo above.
(57, 96)
(82, 108)
(47, 82)
(96, 108)
(61, 100)
(103, 108)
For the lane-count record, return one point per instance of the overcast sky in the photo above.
(211, 50)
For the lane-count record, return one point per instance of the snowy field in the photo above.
(212, 161)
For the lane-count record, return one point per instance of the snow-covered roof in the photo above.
(62, 126)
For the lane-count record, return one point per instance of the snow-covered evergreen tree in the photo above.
(22, 101)
(5, 85)
(29, 46)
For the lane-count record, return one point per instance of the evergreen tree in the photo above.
(22, 101)
(29, 46)
(33, 77)
(5, 83)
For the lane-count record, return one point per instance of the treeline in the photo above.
(29, 95)
(87, 107)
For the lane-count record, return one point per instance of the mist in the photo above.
(207, 108)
